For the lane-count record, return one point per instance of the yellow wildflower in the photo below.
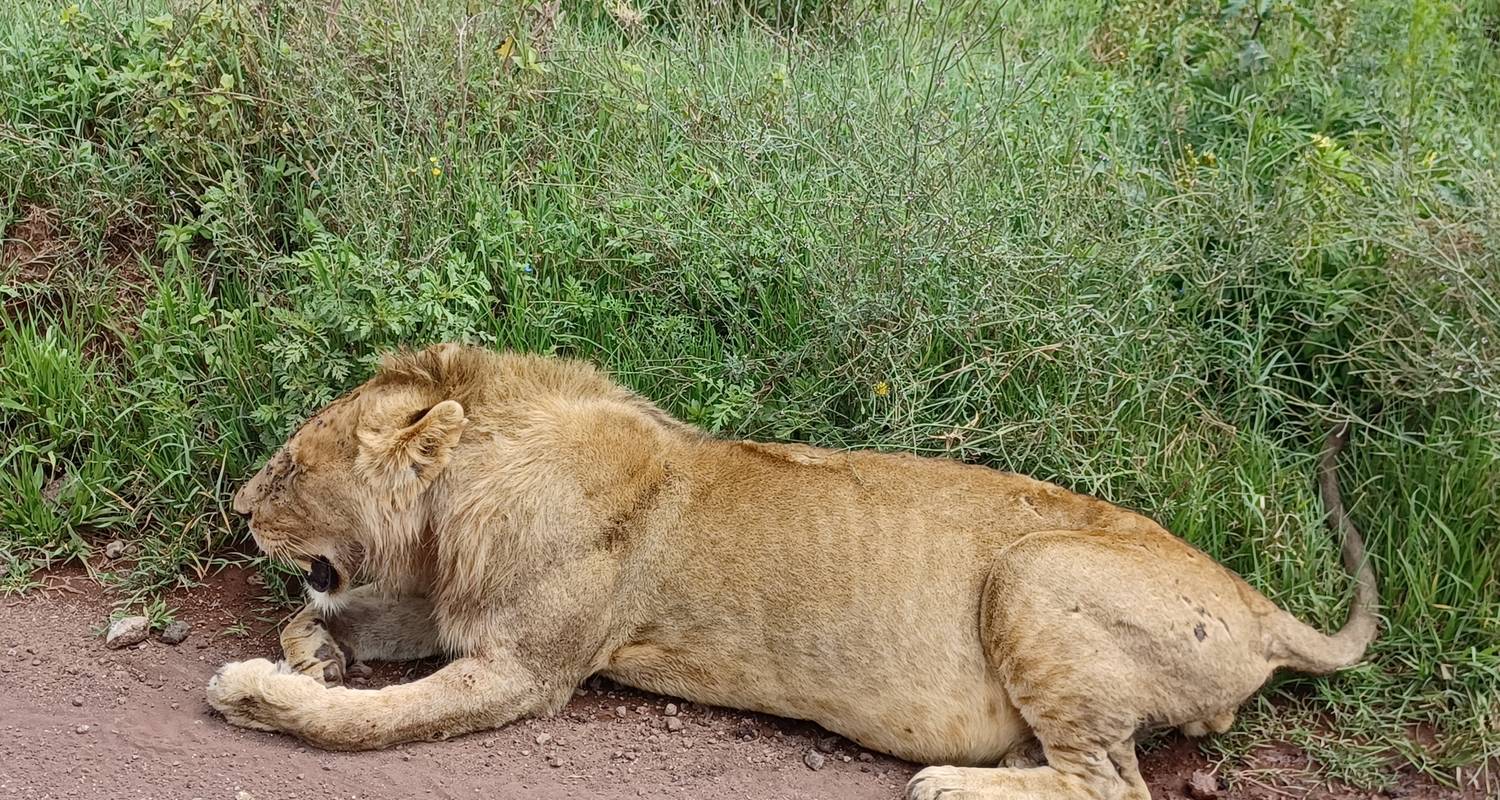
(881, 389)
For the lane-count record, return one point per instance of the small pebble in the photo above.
(673, 724)
(81, 729)
(814, 760)
(1203, 785)
(114, 549)
(77, 702)
(621, 711)
(543, 738)
(866, 757)
(827, 744)
(671, 710)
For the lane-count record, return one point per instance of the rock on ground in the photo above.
(176, 632)
(127, 631)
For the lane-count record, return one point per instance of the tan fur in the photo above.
(540, 523)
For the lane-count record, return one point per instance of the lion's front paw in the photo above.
(311, 650)
(257, 693)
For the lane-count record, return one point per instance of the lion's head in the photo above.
(341, 494)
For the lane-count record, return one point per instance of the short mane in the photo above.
(470, 374)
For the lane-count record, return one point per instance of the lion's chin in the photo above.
(327, 602)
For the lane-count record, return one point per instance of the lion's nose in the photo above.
(242, 501)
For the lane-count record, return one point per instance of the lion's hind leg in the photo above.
(1110, 774)
(1097, 635)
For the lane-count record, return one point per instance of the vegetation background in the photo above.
(1148, 249)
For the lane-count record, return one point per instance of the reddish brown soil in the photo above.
(30, 248)
(80, 721)
(41, 267)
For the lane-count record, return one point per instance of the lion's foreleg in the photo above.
(470, 694)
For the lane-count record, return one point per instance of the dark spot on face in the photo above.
(1200, 631)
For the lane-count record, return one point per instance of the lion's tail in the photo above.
(1304, 648)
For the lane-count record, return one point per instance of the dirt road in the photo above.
(80, 721)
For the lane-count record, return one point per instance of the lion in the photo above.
(538, 523)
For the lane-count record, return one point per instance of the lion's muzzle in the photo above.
(322, 577)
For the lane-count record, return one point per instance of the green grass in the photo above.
(1146, 249)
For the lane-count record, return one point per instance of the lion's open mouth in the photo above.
(322, 577)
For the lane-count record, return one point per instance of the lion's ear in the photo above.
(411, 456)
